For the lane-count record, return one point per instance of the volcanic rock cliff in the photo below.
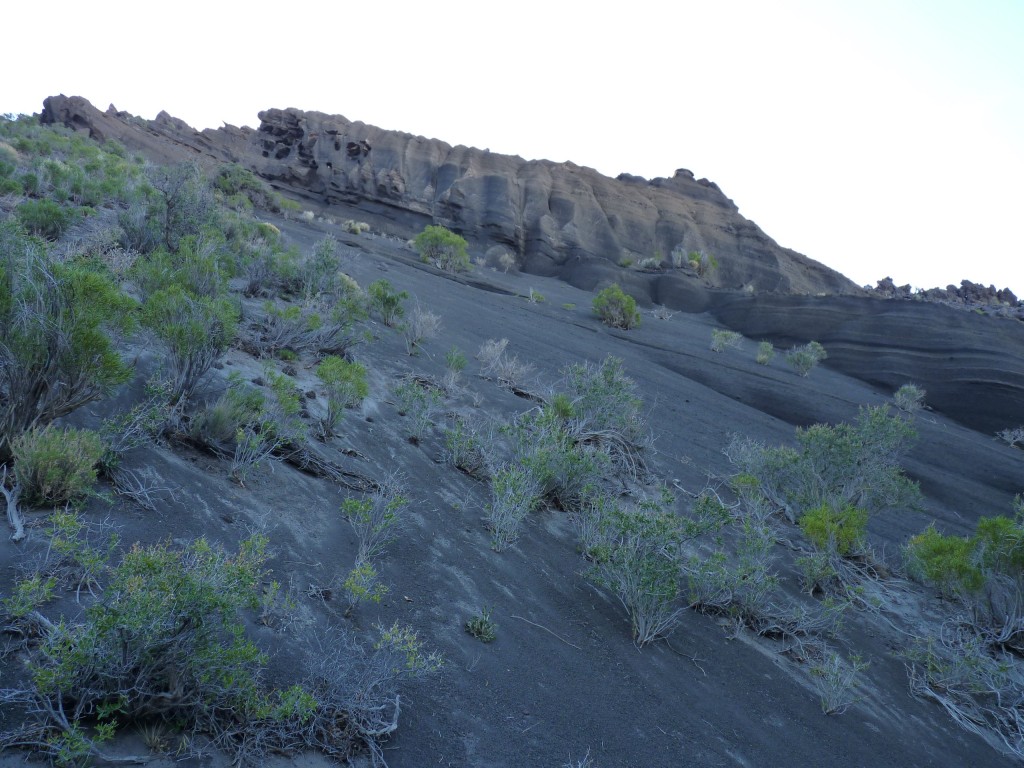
(559, 219)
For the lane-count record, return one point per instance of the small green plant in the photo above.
(841, 531)
(442, 248)
(419, 403)
(320, 273)
(73, 556)
(55, 466)
(616, 308)
(387, 302)
(536, 297)
(196, 331)
(362, 583)
(482, 627)
(346, 387)
(804, 358)
(514, 492)
(455, 363)
(355, 227)
(29, 595)
(463, 447)
(909, 398)
(45, 218)
(702, 263)
(407, 645)
(376, 519)
(722, 339)
(638, 559)
(257, 424)
(569, 306)
(947, 562)
(765, 352)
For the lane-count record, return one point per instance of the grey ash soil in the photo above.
(563, 678)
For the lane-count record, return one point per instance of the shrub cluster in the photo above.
(616, 308)
(806, 357)
(442, 248)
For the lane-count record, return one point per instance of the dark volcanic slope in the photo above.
(554, 216)
(972, 366)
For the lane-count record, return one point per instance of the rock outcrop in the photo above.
(559, 219)
(968, 295)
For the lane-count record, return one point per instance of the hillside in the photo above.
(753, 652)
(557, 219)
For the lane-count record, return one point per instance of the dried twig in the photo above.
(13, 512)
(541, 626)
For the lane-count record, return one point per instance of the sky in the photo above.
(879, 137)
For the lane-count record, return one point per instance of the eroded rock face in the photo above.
(971, 366)
(549, 214)
(552, 216)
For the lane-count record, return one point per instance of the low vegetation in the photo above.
(616, 308)
(443, 248)
(114, 271)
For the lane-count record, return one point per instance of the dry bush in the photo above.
(421, 325)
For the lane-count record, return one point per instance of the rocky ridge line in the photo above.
(559, 219)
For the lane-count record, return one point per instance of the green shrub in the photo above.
(947, 562)
(275, 422)
(607, 415)
(722, 340)
(315, 325)
(320, 273)
(638, 559)
(181, 202)
(197, 267)
(443, 248)
(354, 227)
(346, 387)
(702, 263)
(514, 492)
(483, 627)
(56, 466)
(463, 448)
(377, 518)
(909, 398)
(362, 583)
(45, 218)
(241, 188)
(419, 403)
(840, 466)
(616, 309)
(843, 532)
(56, 332)
(765, 352)
(196, 330)
(805, 358)
(387, 302)
(455, 363)
(165, 640)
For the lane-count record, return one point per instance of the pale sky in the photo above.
(880, 137)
